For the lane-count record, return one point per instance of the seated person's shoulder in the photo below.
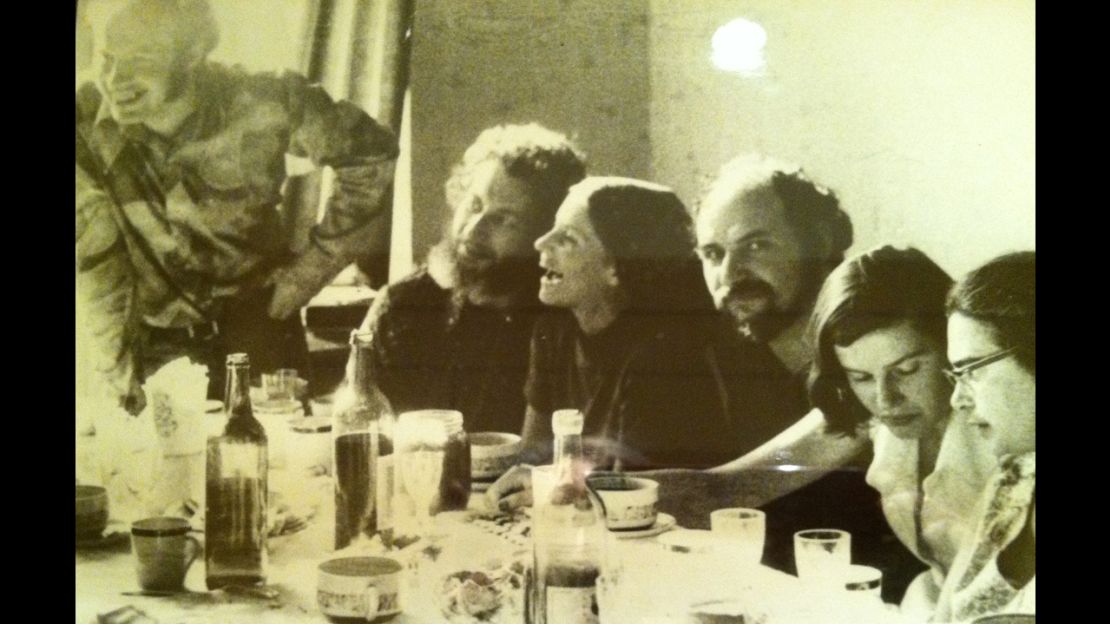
(416, 295)
(416, 290)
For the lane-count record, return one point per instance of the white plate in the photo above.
(663, 523)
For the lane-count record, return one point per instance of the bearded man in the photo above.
(455, 333)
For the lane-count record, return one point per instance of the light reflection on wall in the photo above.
(738, 47)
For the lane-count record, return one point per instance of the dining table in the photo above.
(656, 582)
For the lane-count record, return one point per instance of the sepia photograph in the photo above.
(555, 311)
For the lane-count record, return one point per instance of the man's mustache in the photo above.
(747, 289)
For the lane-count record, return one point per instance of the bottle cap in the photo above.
(238, 359)
(567, 422)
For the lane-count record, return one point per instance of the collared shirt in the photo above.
(168, 227)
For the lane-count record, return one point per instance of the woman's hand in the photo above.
(513, 490)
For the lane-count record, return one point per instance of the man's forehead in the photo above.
(500, 189)
(743, 213)
(136, 30)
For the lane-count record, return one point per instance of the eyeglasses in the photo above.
(964, 373)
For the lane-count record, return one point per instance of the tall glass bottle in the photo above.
(236, 489)
(570, 535)
(363, 432)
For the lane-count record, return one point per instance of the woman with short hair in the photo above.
(879, 331)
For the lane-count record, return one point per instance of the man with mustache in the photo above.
(768, 237)
(455, 333)
(185, 245)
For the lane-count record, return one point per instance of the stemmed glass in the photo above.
(421, 439)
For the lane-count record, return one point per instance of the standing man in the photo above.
(182, 244)
(455, 333)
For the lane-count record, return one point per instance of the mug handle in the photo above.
(194, 544)
(371, 601)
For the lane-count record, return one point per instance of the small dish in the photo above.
(663, 523)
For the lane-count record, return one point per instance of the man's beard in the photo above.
(515, 277)
(766, 324)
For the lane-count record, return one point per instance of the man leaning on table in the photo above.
(455, 333)
(181, 246)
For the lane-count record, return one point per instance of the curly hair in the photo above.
(877, 289)
(813, 211)
(647, 231)
(1002, 295)
(547, 161)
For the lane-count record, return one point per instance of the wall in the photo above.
(577, 66)
(919, 114)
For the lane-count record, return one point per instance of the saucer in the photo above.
(663, 523)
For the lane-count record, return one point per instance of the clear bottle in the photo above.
(236, 489)
(570, 536)
(363, 460)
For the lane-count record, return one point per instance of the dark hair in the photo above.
(648, 233)
(1002, 295)
(545, 160)
(813, 211)
(874, 290)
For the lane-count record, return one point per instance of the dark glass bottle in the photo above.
(363, 431)
(236, 489)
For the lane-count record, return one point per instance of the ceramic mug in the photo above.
(92, 511)
(363, 587)
(163, 552)
(629, 501)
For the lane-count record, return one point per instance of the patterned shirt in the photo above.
(169, 228)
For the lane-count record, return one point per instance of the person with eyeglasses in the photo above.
(992, 347)
(878, 329)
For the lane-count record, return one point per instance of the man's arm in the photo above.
(807, 444)
(106, 288)
(798, 456)
(362, 154)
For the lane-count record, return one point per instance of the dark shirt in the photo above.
(434, 351)
(762, 397)
(645, 386)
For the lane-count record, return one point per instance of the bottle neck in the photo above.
(362, 367)
(237, 393)
(568, 456)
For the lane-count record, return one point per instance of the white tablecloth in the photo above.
(657, 585)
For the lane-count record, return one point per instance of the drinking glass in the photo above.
(421, 443)
(822, 554)
(281, 385)
(743, 530)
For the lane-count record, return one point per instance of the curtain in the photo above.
(359, 50)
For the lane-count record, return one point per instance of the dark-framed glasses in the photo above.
(964, 373)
